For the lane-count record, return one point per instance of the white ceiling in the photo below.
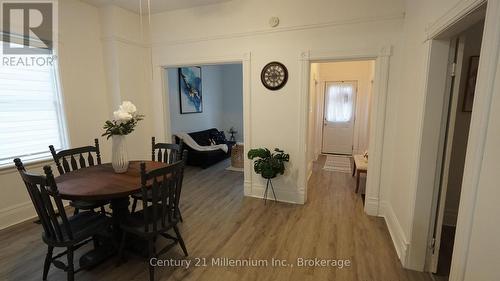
(157, 6)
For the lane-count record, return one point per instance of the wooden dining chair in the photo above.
(76, 158)
(159, 214)
(70, 233)
(162, 152)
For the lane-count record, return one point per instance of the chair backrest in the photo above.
(166, 152)
(41, 190)
(164, 185)
(84, 155)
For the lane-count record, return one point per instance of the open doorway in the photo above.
(339, 115)
(465, 47)
(205, 110)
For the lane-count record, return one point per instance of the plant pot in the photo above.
(119, 151)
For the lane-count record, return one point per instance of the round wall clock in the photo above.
(274, 76)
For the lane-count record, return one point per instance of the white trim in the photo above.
(427, 163)
(282, 194)
(488, 67)
(391, 17)
(399, 239)
(161, 101)
(16, 214)
(372, 205)
(455, 14)
(478, 128)
(123, 40)
(377, 117)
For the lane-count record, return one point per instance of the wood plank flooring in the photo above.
(220, 222)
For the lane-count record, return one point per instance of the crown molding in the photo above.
(123, 40)
(392, 17)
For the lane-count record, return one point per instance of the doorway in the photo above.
(340, 98)
(340, 102)
(339, 115)
(465, 48)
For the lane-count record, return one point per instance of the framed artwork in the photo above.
(190, 94)
(470, 85)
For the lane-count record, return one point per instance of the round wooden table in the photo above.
(100, 182)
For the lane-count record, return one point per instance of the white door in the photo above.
(338, 118)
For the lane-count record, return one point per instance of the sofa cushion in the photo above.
(218, 137)
(203, 137)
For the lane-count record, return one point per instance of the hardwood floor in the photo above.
(219, 222)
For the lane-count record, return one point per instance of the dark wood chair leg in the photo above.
(48, 261)
(76, 211)
(151, 254)
(134, 205)
(121, 254)
(180, 216)
(357, 182)
(71, 267)
(95, 242)
(353, 168)
(181, 241)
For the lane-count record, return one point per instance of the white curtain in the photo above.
(339, 102)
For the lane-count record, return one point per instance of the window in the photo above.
(339, 102)
(31, 115)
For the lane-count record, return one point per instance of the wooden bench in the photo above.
(360, 166)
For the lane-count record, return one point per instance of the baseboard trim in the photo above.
(15, 214)
(309, 170)
(19, 213)
(372, 206)
(396, 231)
(247, 188)
(287, 196)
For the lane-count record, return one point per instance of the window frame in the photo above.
(61, 118)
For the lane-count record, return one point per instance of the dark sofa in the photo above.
(206, 159)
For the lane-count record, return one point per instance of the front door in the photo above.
(338, 117)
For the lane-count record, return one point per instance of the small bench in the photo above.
(360, 166)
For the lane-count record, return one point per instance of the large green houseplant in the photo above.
(268, 164)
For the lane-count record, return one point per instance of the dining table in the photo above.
(101, 182)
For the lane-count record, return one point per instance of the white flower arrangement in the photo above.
(124, 122)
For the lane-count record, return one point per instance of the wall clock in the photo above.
(274, 76)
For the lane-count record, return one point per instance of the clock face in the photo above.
(274, 76)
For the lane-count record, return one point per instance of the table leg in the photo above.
(357, 182)
(120, 210)
(133, 243)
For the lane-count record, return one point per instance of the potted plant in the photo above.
(268, 165)
(124, 122)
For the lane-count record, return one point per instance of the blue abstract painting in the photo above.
(190, 95)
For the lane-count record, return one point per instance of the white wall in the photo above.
(212, 102)
(236, 28)
(103, 61)
(401, 183)
(232, 101)
(362, 72)
(83, 84)
(128, 72)
(222, 87)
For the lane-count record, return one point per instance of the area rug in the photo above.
(234, 169)
(338, 163)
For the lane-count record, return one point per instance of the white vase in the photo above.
(120, 157)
